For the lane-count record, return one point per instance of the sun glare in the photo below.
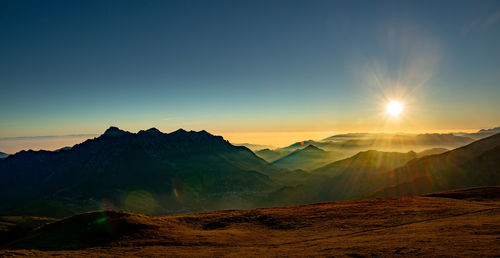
(394, 108)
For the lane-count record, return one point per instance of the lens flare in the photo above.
(140, 201)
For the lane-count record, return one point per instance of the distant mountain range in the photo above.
(346, 145)
(352, 143)
(3, 155)
(483, 133)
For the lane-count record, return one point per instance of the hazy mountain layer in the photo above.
(349, 144)
(272, 155)
(384, 174)
(307, 158)
(367, 162)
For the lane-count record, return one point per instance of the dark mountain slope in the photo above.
(180, 170)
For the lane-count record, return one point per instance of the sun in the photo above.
(394, 108)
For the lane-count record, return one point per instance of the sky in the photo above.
(268, 72)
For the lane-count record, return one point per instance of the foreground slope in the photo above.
(412, 226)
(149, 172)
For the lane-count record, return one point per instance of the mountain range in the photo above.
(180, 172)
(373, 173)
(346, 145)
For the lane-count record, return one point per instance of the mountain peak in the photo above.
(114, 131)
(311, 147)
(179, 131)
(205, 132)
(150, 131)
(153, 130)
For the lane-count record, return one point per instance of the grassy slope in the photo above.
(385, 227)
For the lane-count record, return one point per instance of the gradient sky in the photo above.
(260, 71)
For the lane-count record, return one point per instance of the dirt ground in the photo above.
(406, 226)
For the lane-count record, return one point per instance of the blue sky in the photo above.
(235, 67)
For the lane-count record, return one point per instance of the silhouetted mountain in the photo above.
(149, 171)
(3, 155)
(432, 151)
(271, 155)
(476, 164)
(307, 158)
